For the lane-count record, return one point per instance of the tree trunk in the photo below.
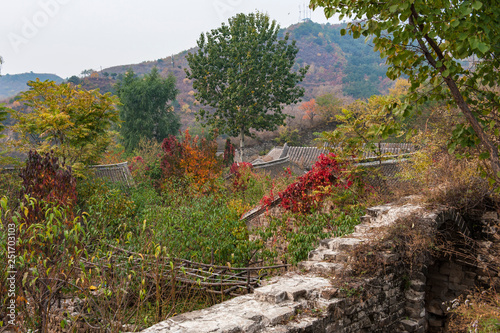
(457, 95)
(486, 142)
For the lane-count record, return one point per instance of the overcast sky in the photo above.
(65, 37)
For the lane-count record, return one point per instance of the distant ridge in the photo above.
(13, 84)
(334, 60)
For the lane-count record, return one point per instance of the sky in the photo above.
(65, 37)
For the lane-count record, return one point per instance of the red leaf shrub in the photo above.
(311, 188)
(242, 172)
(45, 180)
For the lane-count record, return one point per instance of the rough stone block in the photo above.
(435, 322)
(457, 277)
(409, 325)
(417, 285)
(437, 277)
(435, 307)
(414, 296)
(329, 293)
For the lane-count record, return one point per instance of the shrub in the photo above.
(477, 312)
(193, 160)
(202, 228)
(242, 173)
(310, 189)
(292, 236)
(110, 210)
(49, 245)
(145, 165)
(44, 180)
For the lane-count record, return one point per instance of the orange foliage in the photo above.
(194, 160)
(113, 156)
(310, 110)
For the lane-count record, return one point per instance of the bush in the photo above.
(310, 189)
(293, 235)
(44, 179)
(110, 210)
(202, 228)
(193, 161)
(242, 174)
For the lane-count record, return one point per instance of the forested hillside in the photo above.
(334, 61)
(11, 85)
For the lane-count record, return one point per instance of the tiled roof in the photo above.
(305, 157)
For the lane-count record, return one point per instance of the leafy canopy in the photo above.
(73, 122)
(243, 72)
(450, 47)
(145, 109)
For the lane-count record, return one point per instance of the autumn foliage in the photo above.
(310, 189)
(192, 159)
(44, 180)
(309, 109)
(242, 173)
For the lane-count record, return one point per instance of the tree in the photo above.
(75, 80)
(329, 105)
(1, 62)
(364, 124)
(309, 109)
(243, 72)
(71, 121)
(451, 47)
(87, 72)
(145, 110)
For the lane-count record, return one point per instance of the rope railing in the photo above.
(216, 279)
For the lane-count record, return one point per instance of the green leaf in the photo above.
(484, 155)
(477, 5)
(483, 47)
(393, 8)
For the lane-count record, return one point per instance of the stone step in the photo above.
(341, 244)
(291, 289)
(324, 254)
(321, 267)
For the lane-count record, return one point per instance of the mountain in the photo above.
(334, 60)
(11, 85)
(337, 63)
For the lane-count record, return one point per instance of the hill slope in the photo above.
(334, 60)
(11, 85)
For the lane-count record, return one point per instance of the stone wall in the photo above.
(321, 297)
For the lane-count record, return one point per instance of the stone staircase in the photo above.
(316, 298)
(309, 301)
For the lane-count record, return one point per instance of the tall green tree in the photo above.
(243, 72)
(73, 122)
(452, 47)
(145, 109)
